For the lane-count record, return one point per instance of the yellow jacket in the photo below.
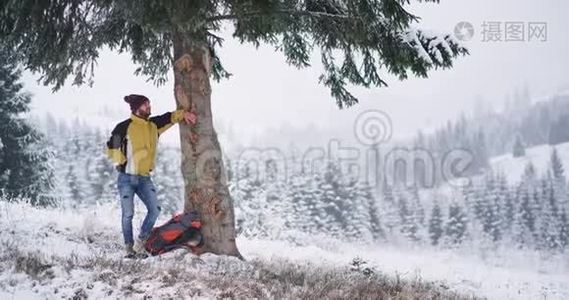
(132, 145)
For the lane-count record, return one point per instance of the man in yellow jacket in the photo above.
(132, 147)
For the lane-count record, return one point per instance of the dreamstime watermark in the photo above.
(503, 31)
(372, 161)
(373, 127)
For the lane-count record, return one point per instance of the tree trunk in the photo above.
(202, 166)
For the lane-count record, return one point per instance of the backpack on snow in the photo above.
(179, 232)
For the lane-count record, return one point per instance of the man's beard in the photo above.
(143, 114)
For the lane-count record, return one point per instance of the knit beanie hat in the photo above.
(135, 101)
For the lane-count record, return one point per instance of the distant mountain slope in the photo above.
(539, 156)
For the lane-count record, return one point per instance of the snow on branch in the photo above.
(432, 47)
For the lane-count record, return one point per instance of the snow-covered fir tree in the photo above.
(25, 170)
(409, 227)
(519, 147)
(456, 226)
(435, 224)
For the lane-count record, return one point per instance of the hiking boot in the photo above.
(129, 251)
(139, 246)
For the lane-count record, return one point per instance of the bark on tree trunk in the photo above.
(202, 166)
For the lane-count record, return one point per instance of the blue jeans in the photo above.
(142, 186)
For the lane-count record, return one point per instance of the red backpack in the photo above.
(182, 231)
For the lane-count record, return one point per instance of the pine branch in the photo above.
(285, 12)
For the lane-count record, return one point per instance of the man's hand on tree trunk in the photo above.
(190, 117)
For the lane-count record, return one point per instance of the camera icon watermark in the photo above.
(464, 31)
(503, 31)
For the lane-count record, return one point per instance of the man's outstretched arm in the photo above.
(165, 121)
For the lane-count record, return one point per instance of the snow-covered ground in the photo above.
(81, 252)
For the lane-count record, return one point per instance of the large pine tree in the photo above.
(359, 41)
(24, 155)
